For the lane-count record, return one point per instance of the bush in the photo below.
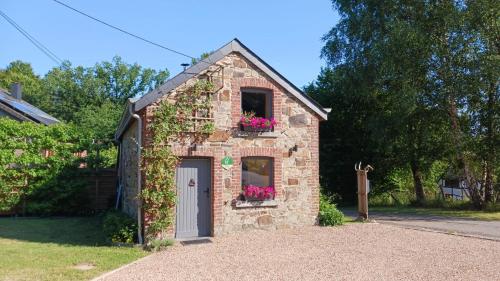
(159, 244)
(391, 199)
(119, 228)
(329, 215)
(63, 194)
(492, 207)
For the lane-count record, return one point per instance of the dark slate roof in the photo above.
(234, 46)
(20, 107)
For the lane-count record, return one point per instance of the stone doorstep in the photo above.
(256, 204)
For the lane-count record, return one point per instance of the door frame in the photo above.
(211, 193)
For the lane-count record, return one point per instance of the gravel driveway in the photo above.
(465, 226)
(351, 252)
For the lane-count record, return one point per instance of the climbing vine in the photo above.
(39, 167)
(185, 118)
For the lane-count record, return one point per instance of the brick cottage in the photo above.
(239, 178)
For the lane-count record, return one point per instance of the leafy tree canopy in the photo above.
(412, 83)
(91, 97)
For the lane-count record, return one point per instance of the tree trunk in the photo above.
(488, 185)
(490, 144)
(470, 182)
(417, 181)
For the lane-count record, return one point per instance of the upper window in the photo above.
(257, 102)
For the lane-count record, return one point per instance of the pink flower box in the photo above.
(257, 124)
(261, 193)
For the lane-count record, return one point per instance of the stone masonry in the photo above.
(296, 173)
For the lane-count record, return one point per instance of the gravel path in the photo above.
(466, 226)
(351, 252)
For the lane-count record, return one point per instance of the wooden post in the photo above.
(362, 175)
(362, 195)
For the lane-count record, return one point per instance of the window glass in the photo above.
(257, 171)
(258, 103)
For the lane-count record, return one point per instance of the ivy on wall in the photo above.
(185, 118)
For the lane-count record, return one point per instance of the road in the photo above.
(461, 226)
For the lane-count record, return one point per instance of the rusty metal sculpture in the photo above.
(363, 189)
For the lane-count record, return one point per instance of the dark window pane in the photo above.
(257, 171)
(254, 102)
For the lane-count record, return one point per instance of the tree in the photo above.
(22, 72)
(91, 97)
(344, 137)
(100, 121)
(430, 72)
(74, 88)
(381, 53)
(483, 16)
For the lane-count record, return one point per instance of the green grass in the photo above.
(349, 219)
(49, 248)
(481, 215)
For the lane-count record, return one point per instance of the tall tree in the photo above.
(430, 70)
(483, 22)
(74, 88)
(92, 97)
(383, 44)
(22, 72)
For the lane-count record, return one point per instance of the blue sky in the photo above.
(286, 34)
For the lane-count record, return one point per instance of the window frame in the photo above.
(269, 99)
(272, 162)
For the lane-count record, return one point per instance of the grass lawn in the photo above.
(49, 248)
(481, 215)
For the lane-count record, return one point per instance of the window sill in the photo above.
(255, 204)
(245, 134)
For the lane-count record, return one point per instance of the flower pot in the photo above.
(259, 130)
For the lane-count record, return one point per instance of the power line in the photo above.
(32, 39)
(126, 32)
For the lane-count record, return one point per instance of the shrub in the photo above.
(63, 194)
(492, 207)
(328, 212)
(159, 244)
(119, 228)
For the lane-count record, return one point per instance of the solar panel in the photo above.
(27, 109)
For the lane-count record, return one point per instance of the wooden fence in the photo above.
(101, 189)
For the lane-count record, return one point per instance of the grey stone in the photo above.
(299, 120)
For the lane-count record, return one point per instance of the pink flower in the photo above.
(257, 122)
(259, 192)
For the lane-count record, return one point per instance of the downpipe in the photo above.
(139, 176)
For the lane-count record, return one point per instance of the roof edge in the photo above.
(234, 45)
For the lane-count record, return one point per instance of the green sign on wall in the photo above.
(227, 162)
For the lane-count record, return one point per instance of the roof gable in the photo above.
(234, 46)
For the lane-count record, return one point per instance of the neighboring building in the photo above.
(13, 106)
(454, 187)
(209, 193)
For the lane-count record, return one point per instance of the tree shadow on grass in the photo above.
(82, 231)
